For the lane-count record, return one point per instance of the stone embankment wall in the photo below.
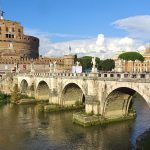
(6, 83)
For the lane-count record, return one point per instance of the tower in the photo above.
(69, 59)
(14, 43)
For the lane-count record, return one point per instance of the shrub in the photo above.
(4, 98)
(78, 103)
(15, 95)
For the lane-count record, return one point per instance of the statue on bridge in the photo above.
(55, 64)
(94, 69)
(32, 67)
(78, 63)
(52, 66)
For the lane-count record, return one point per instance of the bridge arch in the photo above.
(72, 93)
(119, 101)
(24, 86)
(42, 91)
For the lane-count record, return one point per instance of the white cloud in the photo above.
(100, 46)
(100, 40)
(136, 26)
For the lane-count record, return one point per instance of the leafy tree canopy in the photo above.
(108, 64)
(131, 56)
(15, 95)
(85, 62)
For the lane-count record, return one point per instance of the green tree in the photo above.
(108, 65)
(76, 58)
(86, 62)
(131, 56)
(99, 63)
(15, 95)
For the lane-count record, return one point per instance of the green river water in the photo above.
(24, 128)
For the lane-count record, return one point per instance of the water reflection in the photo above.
(23, 128)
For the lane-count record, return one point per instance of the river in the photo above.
(24, 128)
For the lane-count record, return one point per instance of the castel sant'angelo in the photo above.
(21, 50)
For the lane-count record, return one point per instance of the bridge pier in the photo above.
(54, 97)
(92, 105)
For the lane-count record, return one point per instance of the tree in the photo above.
(86, 62)
(108, 65)
(131, 56)
(75, 58)
(99, 63)
(15, 96)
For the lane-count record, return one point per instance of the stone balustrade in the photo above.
(110, 76)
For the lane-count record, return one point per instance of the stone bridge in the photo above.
(108, 94)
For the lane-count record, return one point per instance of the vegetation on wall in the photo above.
(131, 56)
(4, 98)
(15, 95)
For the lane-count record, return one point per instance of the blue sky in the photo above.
(90, 26)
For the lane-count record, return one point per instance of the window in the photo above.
(6, 29)
(9, 36)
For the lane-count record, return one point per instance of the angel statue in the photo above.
(55, 64)
(94, 62)
(94, 69)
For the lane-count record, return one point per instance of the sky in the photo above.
(102, 28)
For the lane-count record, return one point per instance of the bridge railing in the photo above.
(100, 75)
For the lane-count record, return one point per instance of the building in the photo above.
(134, 66)
(13, 42)
(20, 51)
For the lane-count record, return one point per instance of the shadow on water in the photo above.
(142, 122)
(24, 128)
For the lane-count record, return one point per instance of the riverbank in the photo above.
(143, 141)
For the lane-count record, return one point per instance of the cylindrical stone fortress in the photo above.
(13, 42)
